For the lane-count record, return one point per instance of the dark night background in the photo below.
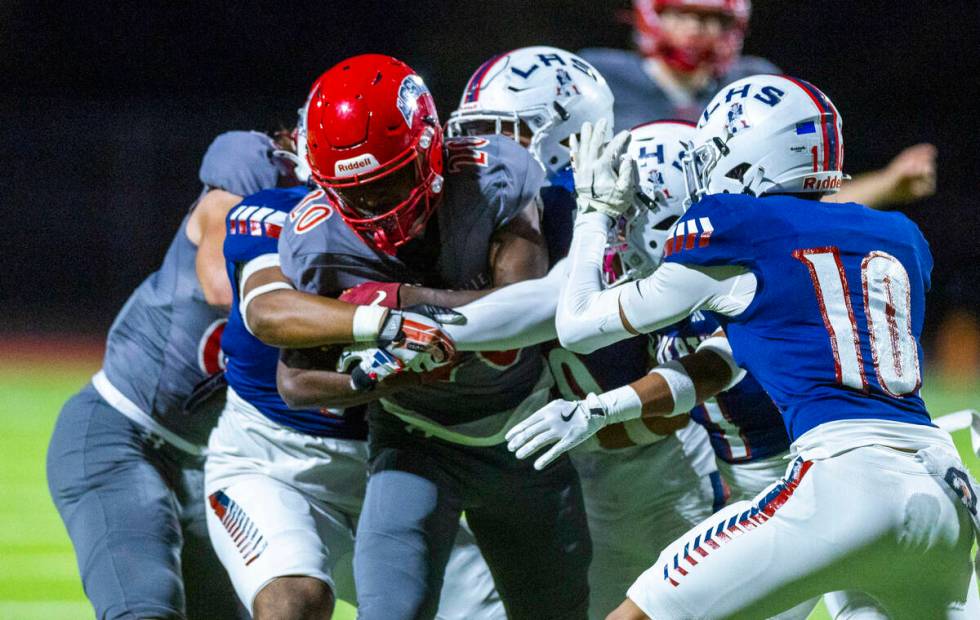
(107, 108)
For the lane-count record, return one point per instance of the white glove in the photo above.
(606, 178)
(568, 423)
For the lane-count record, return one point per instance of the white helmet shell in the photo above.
(636, 246)
(548, 90)
(301, 168)
(767, 134)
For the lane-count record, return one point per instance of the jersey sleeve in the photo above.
(252, 229)
(716, 231)
(240, 162)
(304, 248)
(512, 180)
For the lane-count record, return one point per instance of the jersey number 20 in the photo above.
(888, 311)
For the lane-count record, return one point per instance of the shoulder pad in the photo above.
(240, 162)
(715, 231)
(507, 178)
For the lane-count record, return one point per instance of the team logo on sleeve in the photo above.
(409, 92)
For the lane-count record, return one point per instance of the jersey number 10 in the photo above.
(887, 310)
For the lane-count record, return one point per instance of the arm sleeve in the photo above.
(240, 162)
(588, 317)
(515, 316)
(675, 291)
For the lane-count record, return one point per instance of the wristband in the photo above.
(680, 385)
(619, 405)
(720, 346)
(367, 323)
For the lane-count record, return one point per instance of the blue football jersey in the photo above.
(253, 229)
(833, 330)
(743, 423)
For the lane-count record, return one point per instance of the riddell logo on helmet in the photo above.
(355, 165)
(828, 183)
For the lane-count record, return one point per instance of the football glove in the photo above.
(409, 340)
(561, 422)
(606, 178)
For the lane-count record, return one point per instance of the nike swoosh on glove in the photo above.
(562, 422)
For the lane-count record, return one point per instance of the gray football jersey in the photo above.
(488, 181)
(166, 339)
(639, 99)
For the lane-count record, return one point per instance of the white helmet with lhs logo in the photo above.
(767, 134)
(541, 94)
(636, 244)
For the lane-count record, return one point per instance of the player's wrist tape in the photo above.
(367, 323)
(257, 291)
(680, 385)
(720, 346)
(620, 404)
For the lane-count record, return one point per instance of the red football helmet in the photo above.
(374, 140)
(716, 53)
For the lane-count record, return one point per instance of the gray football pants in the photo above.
(529, 525)
(134, 511)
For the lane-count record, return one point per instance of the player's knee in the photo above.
(294, 598)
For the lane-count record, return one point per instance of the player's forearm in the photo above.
(519, 315)
(708, 374)
(305, 388)
(213, 279)
(415, 295)
(297, 320)
(587, 316)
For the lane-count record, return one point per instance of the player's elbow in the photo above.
(290, 386)
(574, 334)
(217, 292)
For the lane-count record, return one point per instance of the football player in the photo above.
(404, 207)
(124, 463)
(824, 304)
(285, 486)
(540, 96)
(687, 50)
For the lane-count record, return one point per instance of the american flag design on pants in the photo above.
(240, 528)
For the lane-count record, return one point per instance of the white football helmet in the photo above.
(540, 93)
(767, 134)
(301, 169)
(636, 244)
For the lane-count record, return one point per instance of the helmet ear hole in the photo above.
(738, 172)
(666, 223)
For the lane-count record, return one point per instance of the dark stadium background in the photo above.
(106, 109)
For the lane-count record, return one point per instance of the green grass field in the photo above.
(38, 575)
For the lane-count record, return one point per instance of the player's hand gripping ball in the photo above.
(606, 178)
(410, 340)
(562, 422)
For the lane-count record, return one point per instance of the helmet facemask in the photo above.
(390, 206)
